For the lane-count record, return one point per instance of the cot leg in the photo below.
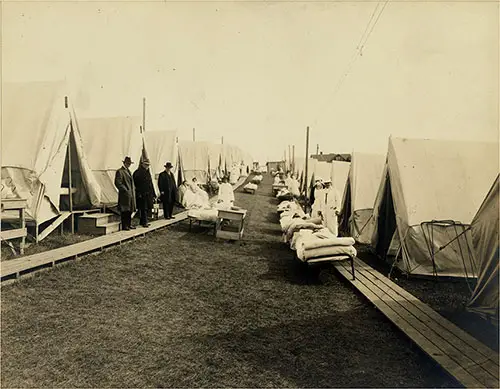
(190, 223)
(352, 268)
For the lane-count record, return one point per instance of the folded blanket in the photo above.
(323, 252)
(250, 186)
(299, 237)
(316, 243)
(300, 225)
(324, 233)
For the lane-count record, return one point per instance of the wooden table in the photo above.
(235, 217)
(19, 205)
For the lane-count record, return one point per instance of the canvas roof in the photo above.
(107, 141)
(440, 179)
(485, 240)
(365, 175)
(339, 172)
(194, 157)
(36, 128)
(161, 147)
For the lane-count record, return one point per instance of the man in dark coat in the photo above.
(144, 191)
(126, 193)
(168, 190)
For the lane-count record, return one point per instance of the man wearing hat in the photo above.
(126, 193)
(168, 190)
(144, 191)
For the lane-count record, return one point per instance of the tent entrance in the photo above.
(74, 194)
(346, 210)
(386, 222)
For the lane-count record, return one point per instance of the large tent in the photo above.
(161, 148)
(38, 129)
(107, 141)
(194, 159)
(361, 189)
(430, 191)
(485, 235)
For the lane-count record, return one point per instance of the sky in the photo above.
(258, 73)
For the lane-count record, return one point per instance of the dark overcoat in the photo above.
(126, 190)
(167, 186)
(144, 189)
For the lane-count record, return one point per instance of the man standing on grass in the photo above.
(126, 193)
(144, 191)
(168, 190)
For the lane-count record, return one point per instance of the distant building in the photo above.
(275, 165)
(332, 157)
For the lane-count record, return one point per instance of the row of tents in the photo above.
(428, 207)
(45, 146)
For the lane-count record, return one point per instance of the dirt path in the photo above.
(177, 309)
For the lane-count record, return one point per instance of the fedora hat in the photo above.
(168, 165)
(127, 160)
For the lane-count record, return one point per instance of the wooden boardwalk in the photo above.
(16, 268)
(469, 361)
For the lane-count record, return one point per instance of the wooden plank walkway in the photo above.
(16, 268)
(469, 361)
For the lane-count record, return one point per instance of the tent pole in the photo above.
(70, 180)
(307, 162)
(289, 157)
(293, 159)
(194, 135)
(317, 149)
(144, 114)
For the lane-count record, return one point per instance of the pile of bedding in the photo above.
(257, 179)
(209, 215)
(250, 187)
(309, 237)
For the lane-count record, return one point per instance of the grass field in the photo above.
(178, 309)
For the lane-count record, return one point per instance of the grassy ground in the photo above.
(177, 309)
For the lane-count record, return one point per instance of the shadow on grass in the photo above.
(328, 351)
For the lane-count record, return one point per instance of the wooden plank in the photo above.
(13, 234)
(415, 335)
(442, 338)
(13, 204)
(14, 266)
(62, 217)
(430, 313)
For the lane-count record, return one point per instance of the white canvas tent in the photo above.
(194, 160)
(37, 129)
(485, 241)
(429, 193)
(161, 147)
(107, 141)
(359, 196)
(215, 151)
(339, 171)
